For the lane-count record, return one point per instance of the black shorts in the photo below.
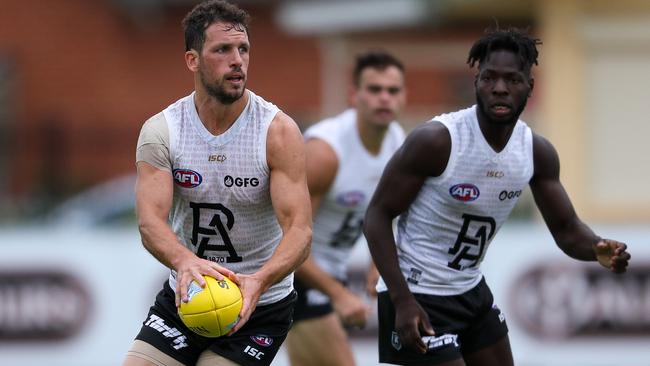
(311, 303)
(255, 344)
(462, 324)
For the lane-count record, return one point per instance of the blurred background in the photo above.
(79, 77)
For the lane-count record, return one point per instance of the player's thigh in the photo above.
(497, 354)
(443, 348)
(209, 358)
(144, 354)
(319, 341)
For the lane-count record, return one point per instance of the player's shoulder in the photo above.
(427, 148)
(546, 160)
(282, 124)
(154, 129)
(155, 121)
(284, 135)
(258, 102)
(542, 147)
(395, 129)
(429, 134)
(461, 116)
(284, 143)
(333, 125)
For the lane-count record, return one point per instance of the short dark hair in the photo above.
(376, 59)
(512, 39)
(207, 13)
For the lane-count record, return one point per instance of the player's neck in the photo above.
(371, 136)
(496, 135)
(216, 116)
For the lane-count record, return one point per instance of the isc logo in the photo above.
(187, 178)
(464, 192)
(220, 158)
(254, 352)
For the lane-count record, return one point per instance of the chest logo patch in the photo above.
(187, 178)
(350, 198)
(464, 192)
(262, 340)
(230, 181)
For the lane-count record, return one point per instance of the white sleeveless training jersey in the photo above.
(337, 224)
(222, 207)
(443, 236)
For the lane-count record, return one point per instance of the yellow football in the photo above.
(213, 310)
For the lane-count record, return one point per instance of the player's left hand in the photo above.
(251, 289)
(612, 254)
(371, 281)
(351, 309)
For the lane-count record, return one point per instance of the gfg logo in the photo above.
(230, 181)
(464, 192)
(187, 178)
(508, 195)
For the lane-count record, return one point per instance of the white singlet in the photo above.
(443, 236)
(337, 224)
(221, 207)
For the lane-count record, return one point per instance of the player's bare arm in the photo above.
(290, 197)
(372, 276)
(572, 235)
(424, 154)
(322, 167)
(153, 196)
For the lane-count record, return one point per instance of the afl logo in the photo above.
(187, 178)
(350, 198)
(464, 192)
(262, 340)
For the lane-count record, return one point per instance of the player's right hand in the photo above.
(351, 309)
(192, 268)
(411, 323)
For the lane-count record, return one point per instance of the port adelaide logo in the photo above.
(464, 192)
(187, 178)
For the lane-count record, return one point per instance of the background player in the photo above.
(345, 157)
(453, 183)
(227, 170)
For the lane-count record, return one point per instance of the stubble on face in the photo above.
(217, 90)
(217, 69)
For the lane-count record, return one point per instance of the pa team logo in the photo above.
(187, 178)
(464, 192)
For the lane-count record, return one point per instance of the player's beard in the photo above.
(217, 91)
(484, 111)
